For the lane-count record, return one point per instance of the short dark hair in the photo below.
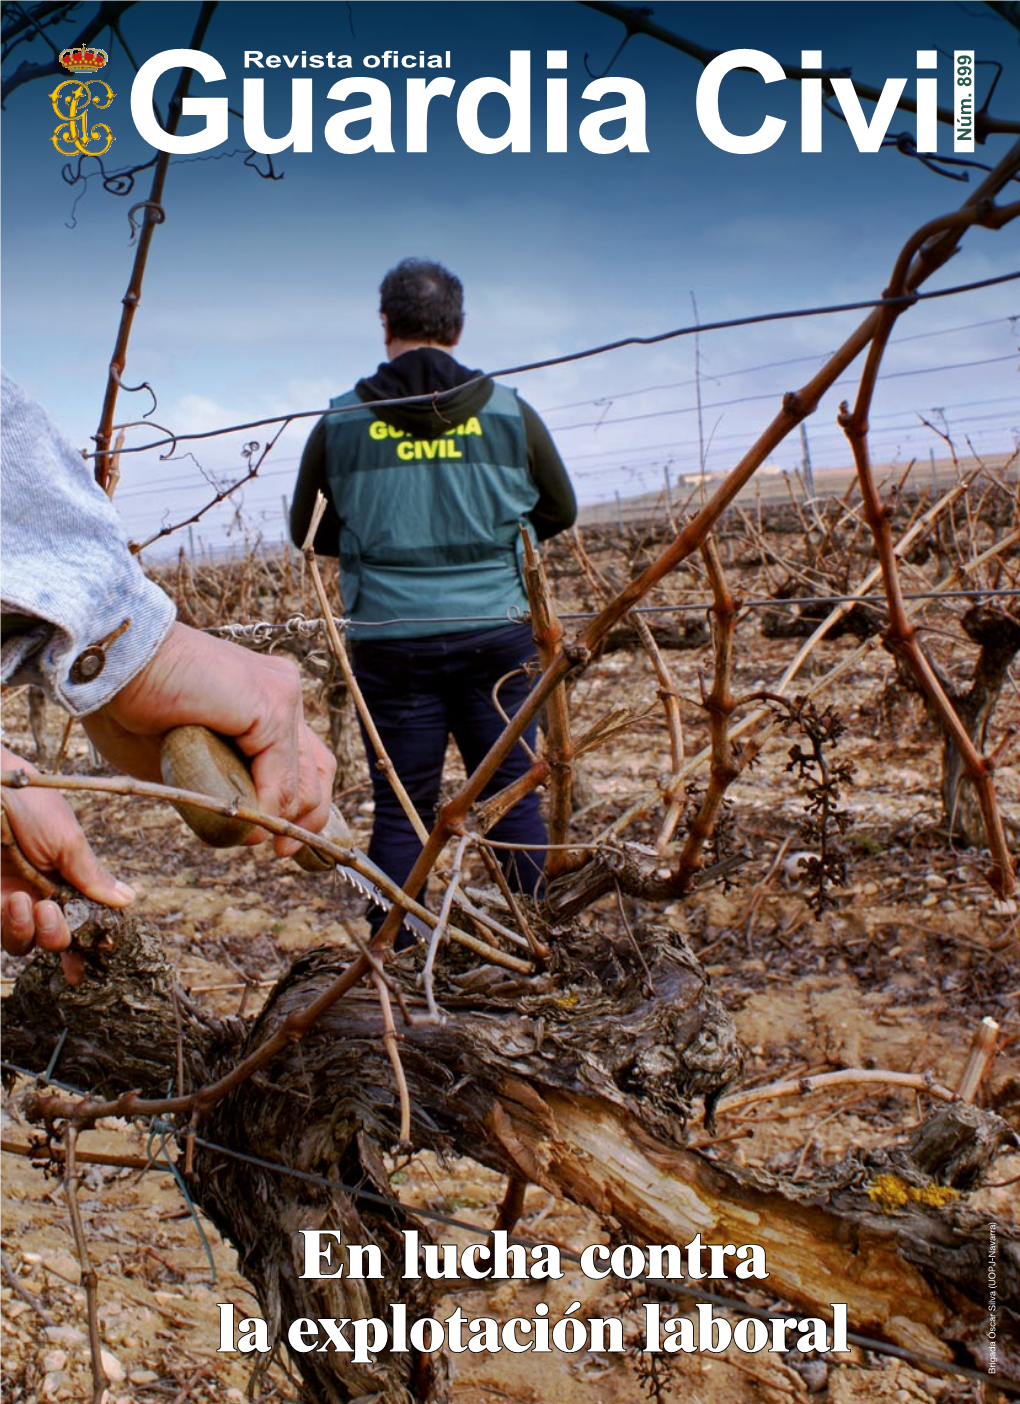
(422, 301)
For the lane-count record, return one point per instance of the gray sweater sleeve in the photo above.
(79, 617)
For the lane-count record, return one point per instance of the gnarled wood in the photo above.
(580, 1080)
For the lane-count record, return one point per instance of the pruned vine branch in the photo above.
(639, 21)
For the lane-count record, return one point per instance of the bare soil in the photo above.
(895, 973)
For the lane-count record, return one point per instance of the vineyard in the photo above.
(841, 910)
(768, 997)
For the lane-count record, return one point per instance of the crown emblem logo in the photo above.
(85, 59)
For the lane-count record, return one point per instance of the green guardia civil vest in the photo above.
(430, 528)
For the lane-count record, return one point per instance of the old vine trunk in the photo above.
(581, 1079)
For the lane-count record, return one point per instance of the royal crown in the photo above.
(84, 59)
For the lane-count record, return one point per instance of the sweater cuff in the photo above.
(120, 637)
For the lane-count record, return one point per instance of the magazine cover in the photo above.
(510, 612)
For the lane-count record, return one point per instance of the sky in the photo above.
(261, 297)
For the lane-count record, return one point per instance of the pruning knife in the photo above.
(195, 758)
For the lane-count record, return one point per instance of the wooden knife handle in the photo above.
(195, 758)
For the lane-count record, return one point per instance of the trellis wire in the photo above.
(263, 633)
(440, 397)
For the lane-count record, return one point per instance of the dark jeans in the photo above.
(421, 691)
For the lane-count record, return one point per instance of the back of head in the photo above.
(422, 301)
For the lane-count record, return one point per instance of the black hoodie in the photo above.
(455, 394)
